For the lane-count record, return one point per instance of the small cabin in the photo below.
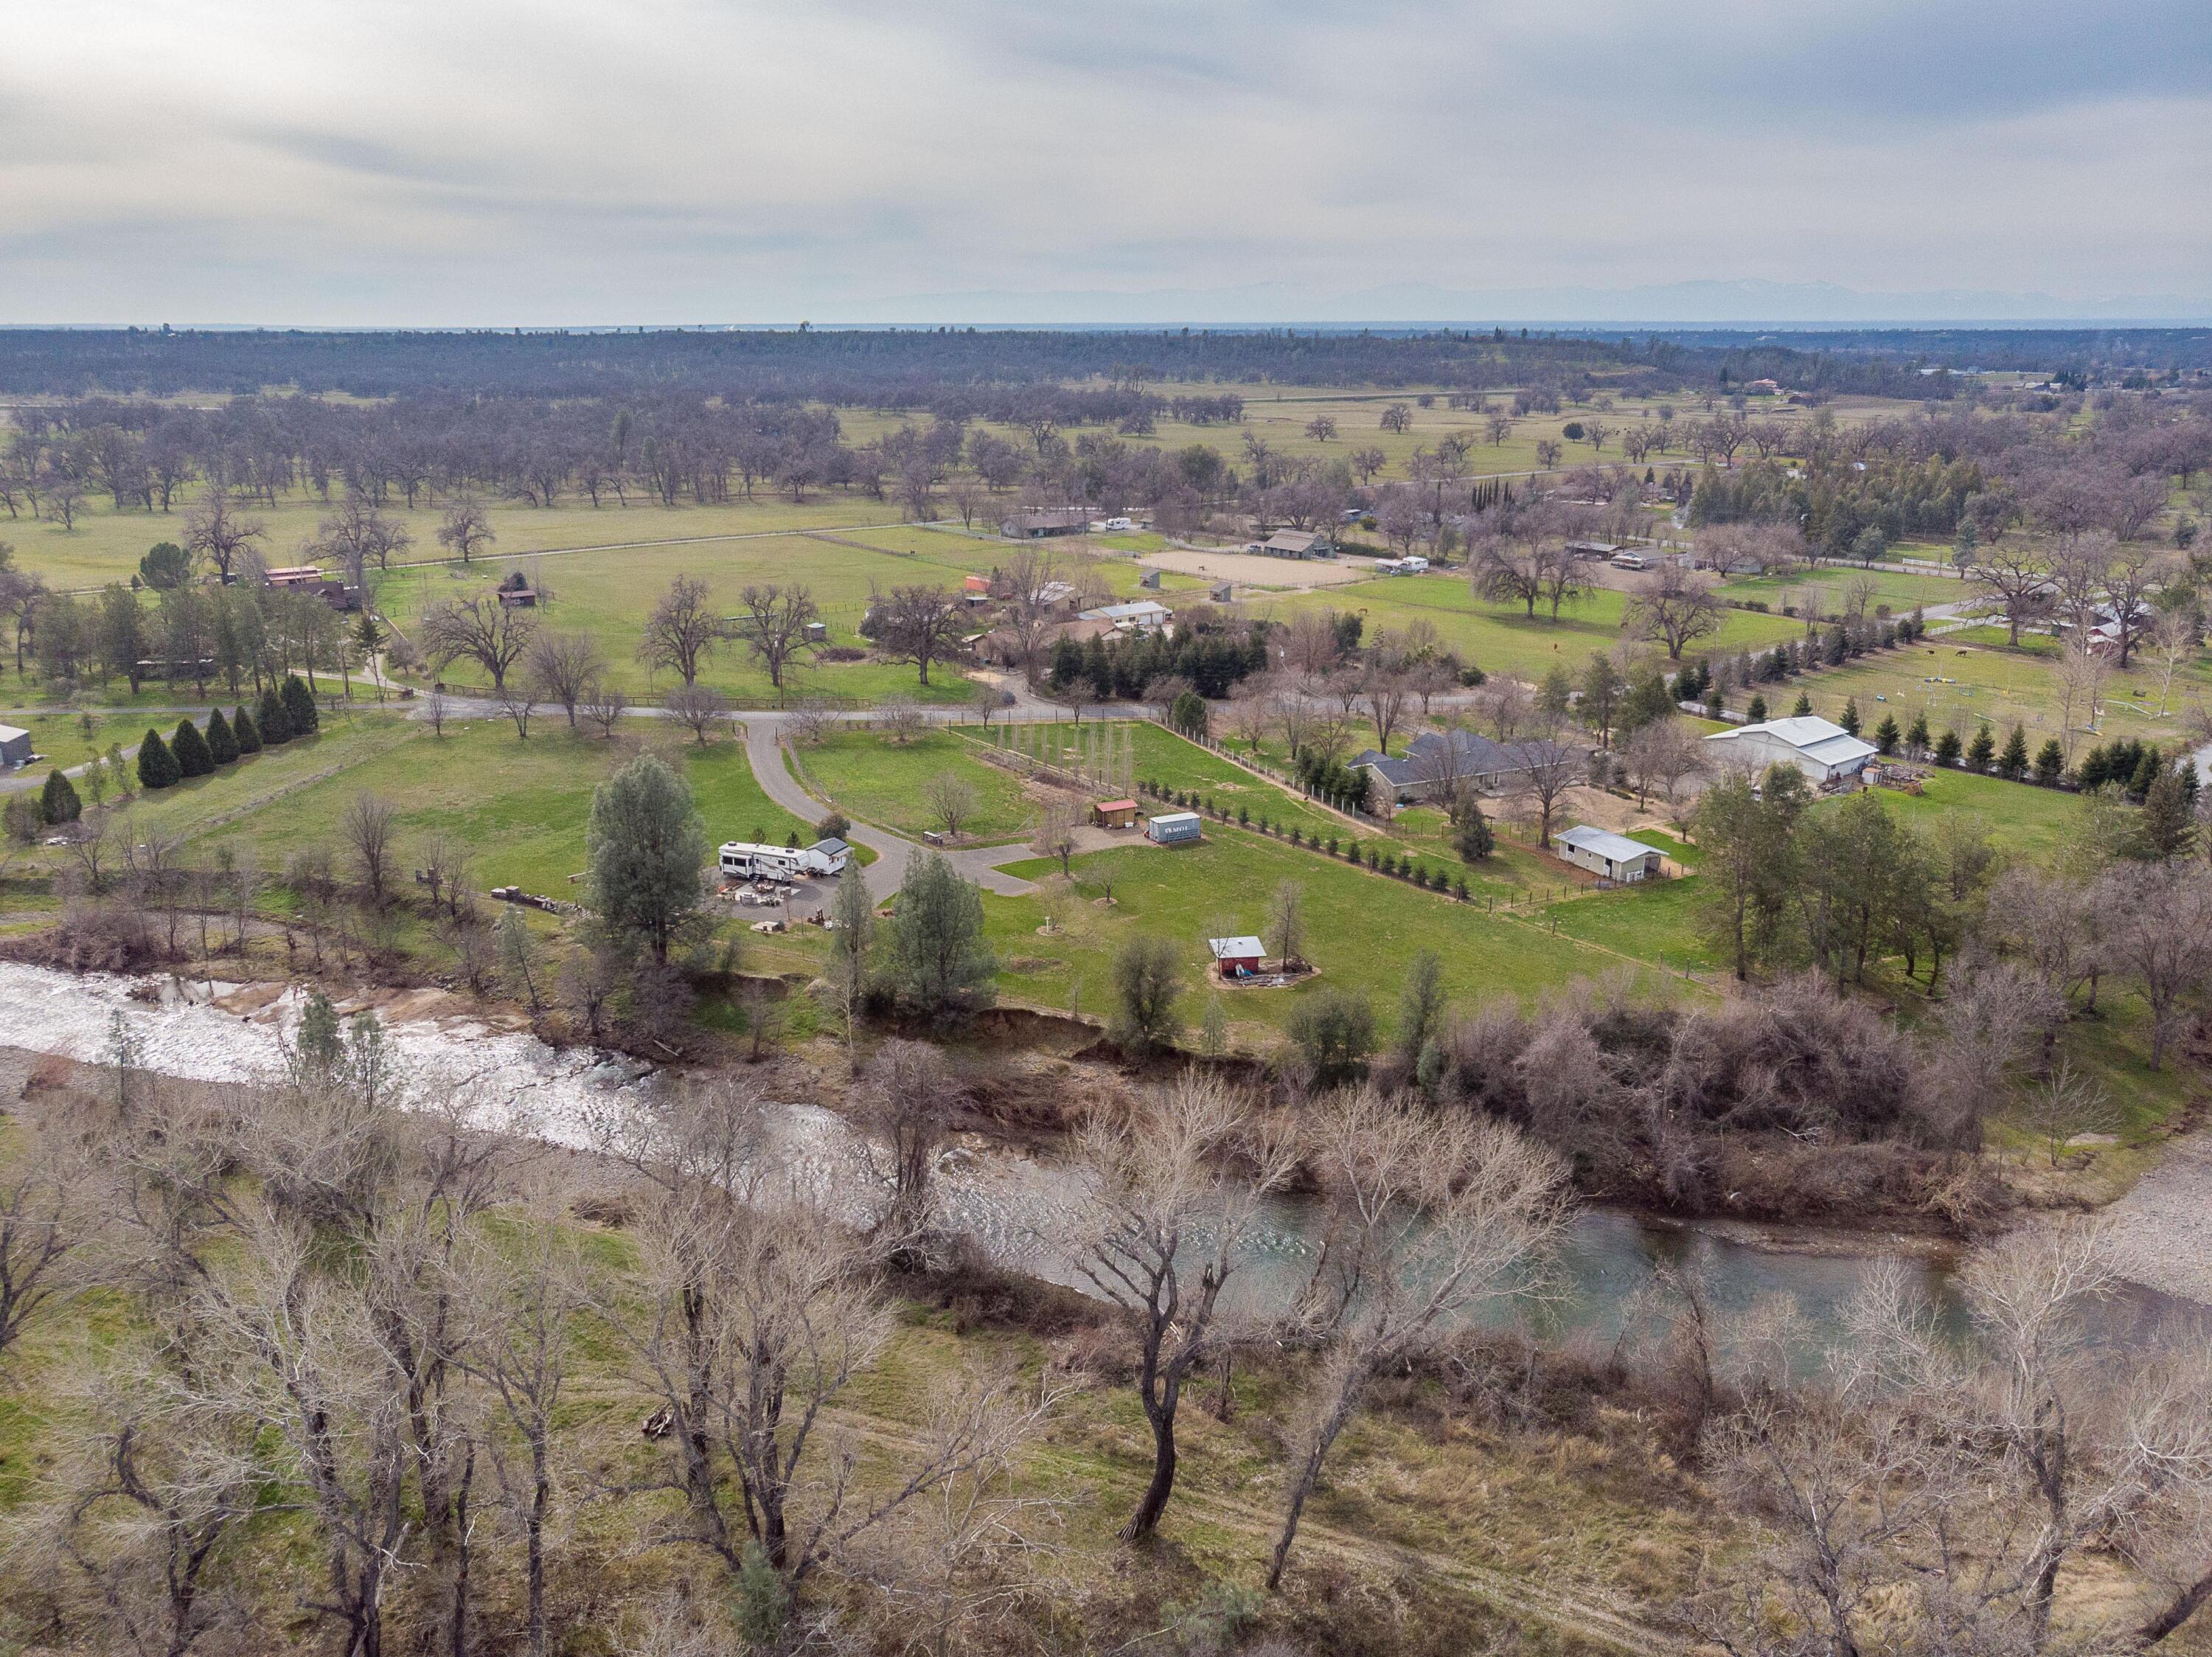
(1236, 958)
(1174, 828)
(1114, 813)
(1615, 856)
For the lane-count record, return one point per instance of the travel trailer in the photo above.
(741, 860)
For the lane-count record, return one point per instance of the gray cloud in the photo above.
(489, 160)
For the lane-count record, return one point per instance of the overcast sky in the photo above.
(593, 161)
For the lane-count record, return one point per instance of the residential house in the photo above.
(1036, 526)
(1001, 647)
(1435, 758)
(1615, 856)
(1829, 755)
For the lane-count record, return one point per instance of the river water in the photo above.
(1008, 1201)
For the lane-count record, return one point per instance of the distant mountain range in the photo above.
(1747, 301)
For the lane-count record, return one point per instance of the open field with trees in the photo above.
(976, 1270)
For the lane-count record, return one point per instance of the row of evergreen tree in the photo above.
(286, 711)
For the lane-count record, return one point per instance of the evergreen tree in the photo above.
(1886, 736)
(1948, 748)
(190, 749)
(242, 732)
(2012, 762)
(1982, 752)
(2145, 774)
(934, 954)
(58, 802)
(221, 745)
(1915, 740)
(2050, 763)
(1804, 706)
(1475, 840)
(2165, 828)
(1187, 715)
(1850, 721)
(1557, 693)
(300, 707)
(157, 767)
(276, 726)
(1756, 712)
(645, 847)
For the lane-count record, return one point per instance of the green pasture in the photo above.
(872, 778)
(1503, 640)
(520, 807)
(1961, 685)
(1824, 587)
(106, 544)
(2021, 819)
(610, 595)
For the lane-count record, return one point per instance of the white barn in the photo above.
(1615, 856)
(1822, 749)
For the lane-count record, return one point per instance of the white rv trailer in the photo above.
(743, 861)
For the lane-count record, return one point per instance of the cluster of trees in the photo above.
(288, 711)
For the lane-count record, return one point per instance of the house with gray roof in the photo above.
(1435, 760)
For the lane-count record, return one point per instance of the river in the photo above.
(1007, 1200)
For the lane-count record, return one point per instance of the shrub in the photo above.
(57, 802)
(190, 749)
(1334, 1032)
(835, 826)
(157, 767)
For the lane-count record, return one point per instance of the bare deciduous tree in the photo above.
(1167, 1226)
(1674, 606)
(1430, 1217)
(681, 629)
(697, 708)
(774, 625)
(479, 627)
(564, 667)
(369, 825)
(1546, 768)
(951, 800)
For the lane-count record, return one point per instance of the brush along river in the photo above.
(1010, 1202)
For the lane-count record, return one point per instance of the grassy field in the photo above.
(106, 544)
(2021, 819)
(1503, 640)
(1361, 930)
(520, 807)
(874, 778)
(1823, 588)
(1961, 685)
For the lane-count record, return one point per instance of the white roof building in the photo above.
(1821, 748)
(1615, 856)
(1143, 615)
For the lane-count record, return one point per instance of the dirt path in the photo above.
(2161, 1230)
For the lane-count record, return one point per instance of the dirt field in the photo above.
(1282, 575)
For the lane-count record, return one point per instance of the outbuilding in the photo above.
(14, 747)
(1114, 813)
(1828, 754)
(1298, 544)
(1174, 828)
(1615, 856)
(1236, 958)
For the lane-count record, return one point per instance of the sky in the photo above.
(578, 162)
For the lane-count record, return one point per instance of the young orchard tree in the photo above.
(1430, 1218)
(1166, 1226)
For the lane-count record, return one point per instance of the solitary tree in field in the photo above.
(466, 531)
(681, 629)
(481, 629)
(773, 623)
(645, 848)
(1673, 607)
(934, 954)
(921, 624)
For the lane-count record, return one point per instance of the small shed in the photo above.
(1221, 592)
(1150, 578)
(1615, 856)
(1114, 813)
(817, 632)
(14, 747)
(1236, 958)
(1174, 828)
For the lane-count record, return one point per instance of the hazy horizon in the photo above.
(474, 163)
